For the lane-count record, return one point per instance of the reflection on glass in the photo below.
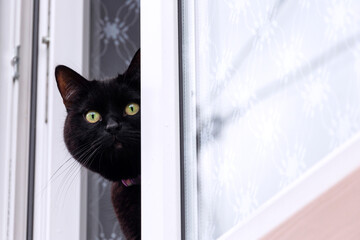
(277, 90)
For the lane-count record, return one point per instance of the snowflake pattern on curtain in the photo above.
(115, 37)
(278, 85)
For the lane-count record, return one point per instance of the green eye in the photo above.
(132, 109)
(93, 117)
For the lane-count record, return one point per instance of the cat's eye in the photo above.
(132, 109)
(92, 116)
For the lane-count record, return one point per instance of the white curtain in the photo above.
(115, 37)
(277, 87)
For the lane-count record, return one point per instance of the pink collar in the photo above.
(131, 181)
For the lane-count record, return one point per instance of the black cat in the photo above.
(102, 132)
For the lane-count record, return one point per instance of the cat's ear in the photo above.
(133, 72)
(70, 84)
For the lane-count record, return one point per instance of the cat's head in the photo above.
(102, 127)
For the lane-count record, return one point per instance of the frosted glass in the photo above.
(277, 90)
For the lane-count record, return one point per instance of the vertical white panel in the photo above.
(59, 187)
(41, 208)
(66, 34)
(160, 165)
(20, 154)
(5, 98)
(9, 28)
(189, 119)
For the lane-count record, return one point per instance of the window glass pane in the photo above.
(277, 89)
(115, 37)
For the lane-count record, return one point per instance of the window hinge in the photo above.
(45, 40)
(15, 63)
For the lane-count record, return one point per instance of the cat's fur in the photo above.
(110, 147)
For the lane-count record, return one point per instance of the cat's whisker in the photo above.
(57, 172)
(84, 147)
(60, 188)
(42, 191)
(90, 157)
(73, 166)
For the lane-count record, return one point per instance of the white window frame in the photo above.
(160, 129)
(9, 40)
(160, 139)
(60, 206)
(18, 16)
(161, 213)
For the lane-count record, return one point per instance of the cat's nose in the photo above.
(112, 126)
